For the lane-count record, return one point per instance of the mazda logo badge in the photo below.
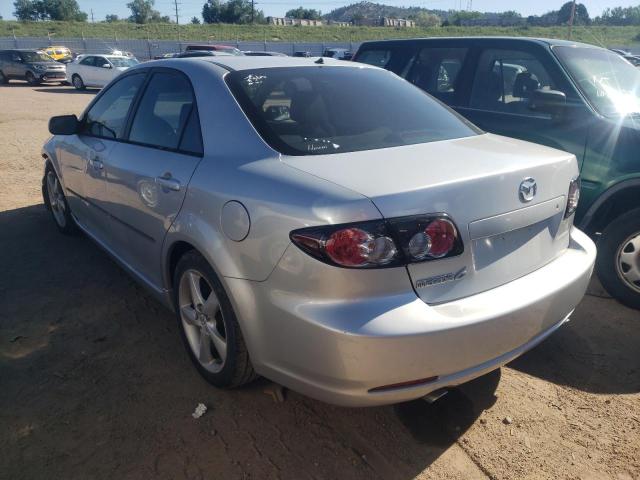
(528, 189)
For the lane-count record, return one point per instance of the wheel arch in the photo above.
(617, 200)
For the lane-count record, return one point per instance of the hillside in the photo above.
(376, 10)
(610, 36)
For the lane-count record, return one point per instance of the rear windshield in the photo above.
(318, 110)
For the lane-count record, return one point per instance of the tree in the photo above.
(304, 13)
(581, 16)
(111, 18)
(195, 20)
(231, 11)
(142, 11)
(425, 19)
(63, 10)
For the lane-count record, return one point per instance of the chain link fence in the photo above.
(149, 49)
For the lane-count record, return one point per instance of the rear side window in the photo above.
(436, 70)
(320, 110)
(377, 58)
(108, 116)
(166, 111)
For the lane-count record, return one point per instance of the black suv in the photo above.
(34, 66)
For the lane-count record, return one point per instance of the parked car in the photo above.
(337, 53)
(59, 53)
(572, 96)
(216, 48)
(620, 52)
(358, 254)
(301, 54)
(264, 54)
(34, 66)
(97, 70)
(202, 53)
(632, 59)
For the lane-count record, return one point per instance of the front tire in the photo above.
(208, 325)
(56, 202)
(618, 262)
(77, 82)
(31, 79)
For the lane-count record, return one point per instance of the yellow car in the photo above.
(58, 53)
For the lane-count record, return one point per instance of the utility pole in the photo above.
(572, 18)
(175, 2)
(253, 9)
(92, 15)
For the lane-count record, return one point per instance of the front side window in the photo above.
(123, 61)
(88, 61)
(166, 107)
(319, 110)
(31, 57)
(108, 116)
(377, 58)
(610, 83)
(101, 62)
(506, 79)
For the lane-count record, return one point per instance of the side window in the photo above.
(506, 79)
(436, 70)
(108, 116)
(377, 58)
(15, 57)
(165, 110)
(101, 61)
(88, 62)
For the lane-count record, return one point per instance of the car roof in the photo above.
(540, 41)
(236, 63)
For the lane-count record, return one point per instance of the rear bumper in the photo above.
(55, 76)
(338, 350)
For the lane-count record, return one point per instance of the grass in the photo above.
(610, 36)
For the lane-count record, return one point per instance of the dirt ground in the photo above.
(94, 382)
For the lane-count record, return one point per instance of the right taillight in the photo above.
(383, 243)
(573, 197)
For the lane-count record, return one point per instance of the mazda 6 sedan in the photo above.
(324, 224)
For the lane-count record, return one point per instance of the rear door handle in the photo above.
(96, 163)
(168, 182)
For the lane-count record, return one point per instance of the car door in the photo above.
(147, 176)
(17, 68)
(86, 69)
(82, 156)
(499, 98)
(103, 72)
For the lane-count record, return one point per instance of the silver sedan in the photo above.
(324, 224)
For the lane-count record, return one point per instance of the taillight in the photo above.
(573, 197)
(383, 243)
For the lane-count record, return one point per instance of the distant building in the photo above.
(288, 21)
(339, 24)
(386, 22)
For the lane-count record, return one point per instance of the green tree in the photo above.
(25, 10)
(304, 13)
(62, 10)
(111, 18)
(581, 16)
(142, 11)
(426, 19)
(231, 11)
(195, 21)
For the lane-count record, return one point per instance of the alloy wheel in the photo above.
(628, 262)
(202, 320)
(77, 82)
(56, 199)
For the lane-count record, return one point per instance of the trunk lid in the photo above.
(476, 181)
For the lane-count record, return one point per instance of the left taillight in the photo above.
(383, 243)
(573, 197)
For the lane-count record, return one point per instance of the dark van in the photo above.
(572, 96)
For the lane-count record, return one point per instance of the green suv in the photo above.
(567, 95)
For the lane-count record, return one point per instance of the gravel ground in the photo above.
(94, 382)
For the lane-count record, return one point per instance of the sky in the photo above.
(190, 8)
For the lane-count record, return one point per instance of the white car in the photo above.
(97, 70)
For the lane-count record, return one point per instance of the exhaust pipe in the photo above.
(435, 395)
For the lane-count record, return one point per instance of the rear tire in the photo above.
(77, 82)
(618, 262)
(56, 202)
(208, 325)
(3, 79)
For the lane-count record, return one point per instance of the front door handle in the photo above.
(96, 163)
(168, 182)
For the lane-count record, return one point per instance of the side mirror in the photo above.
(64, 125)
(106, 65)
(552, 102)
